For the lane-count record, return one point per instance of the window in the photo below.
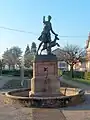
(62, 65)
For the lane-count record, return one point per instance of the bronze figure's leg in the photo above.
(39, 46)
(57, 44)
(44, 47)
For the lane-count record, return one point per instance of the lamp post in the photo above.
(0, 68)
(22, 70)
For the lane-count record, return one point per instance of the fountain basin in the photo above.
(72, 96)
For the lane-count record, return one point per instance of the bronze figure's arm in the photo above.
(44, 19)
(53, 31)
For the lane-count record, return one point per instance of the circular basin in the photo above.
(68, 97)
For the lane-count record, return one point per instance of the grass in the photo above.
(80, 80)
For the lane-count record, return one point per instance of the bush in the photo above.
(87, 75)
(79, 74)
(27, 73)
(7, 72)
(67, 73)
(59, 72)
(76, 74)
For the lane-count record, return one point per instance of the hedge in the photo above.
(17, 72)
(87, 75)
(29, 73)
(79, 74)
(76, 74)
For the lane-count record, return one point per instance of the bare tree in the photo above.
(12, 56)
(72, 54)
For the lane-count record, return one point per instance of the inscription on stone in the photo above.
(45, 68)
(42, 68)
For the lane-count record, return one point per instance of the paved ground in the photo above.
(76, 84)
(5, 79)
(8, 82)
(77, 115)
(17, 112)
(80, 112)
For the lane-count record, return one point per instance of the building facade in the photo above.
(88, 54)
(62, 65)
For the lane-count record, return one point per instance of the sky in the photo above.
(69, 18)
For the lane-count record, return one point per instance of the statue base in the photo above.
(45, 76)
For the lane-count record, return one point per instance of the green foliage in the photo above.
(59, 72)
(87, 75)
(29, 56)
(76, 74)
(87, 82)
(66, 73)
(80, 80)
(27, 51)
(7, 72)
(79, 74)
(33, 47)
(27, 73)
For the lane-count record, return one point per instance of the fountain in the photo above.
(45, 88)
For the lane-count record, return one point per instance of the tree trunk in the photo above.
(0, 71)
(13, 67)
(3, 67)
(9, 67)
(71, 71)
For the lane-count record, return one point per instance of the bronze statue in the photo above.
(52, 44)
(46, 35)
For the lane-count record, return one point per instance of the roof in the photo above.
(87, 41)
(59, 53)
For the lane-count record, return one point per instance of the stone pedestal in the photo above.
(45, 76)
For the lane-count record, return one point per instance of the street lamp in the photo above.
(22, 70)
(0, 67)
